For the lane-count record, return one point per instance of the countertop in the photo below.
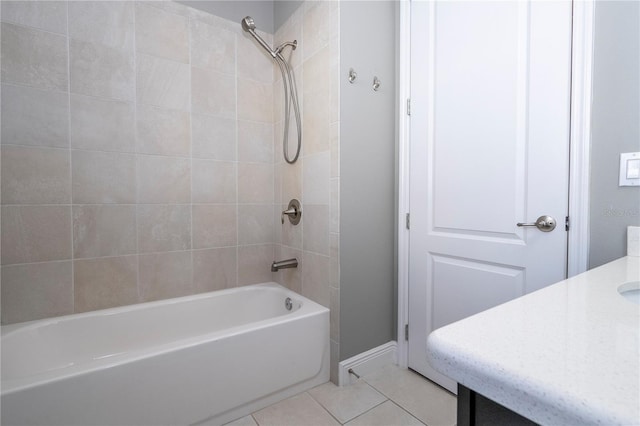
(566, 354)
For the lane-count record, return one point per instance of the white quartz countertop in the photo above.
(567, 354)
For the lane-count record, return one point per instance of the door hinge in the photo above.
(406, 332)
(409, 106)
(408, 221)
(566, 223)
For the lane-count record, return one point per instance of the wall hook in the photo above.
(352, 75)
(376, 83)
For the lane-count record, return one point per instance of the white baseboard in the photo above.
(367, 362)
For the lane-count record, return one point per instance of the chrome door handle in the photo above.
(543, 223)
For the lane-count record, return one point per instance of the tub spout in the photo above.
(283, 264)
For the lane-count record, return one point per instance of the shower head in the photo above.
(250, 26)
(248, 23)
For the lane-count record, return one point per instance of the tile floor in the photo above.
(391, 396)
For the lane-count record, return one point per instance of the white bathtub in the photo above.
(208, 358)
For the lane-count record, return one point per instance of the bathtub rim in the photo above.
(307, 308)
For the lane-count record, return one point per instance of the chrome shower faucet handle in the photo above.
(293, 211)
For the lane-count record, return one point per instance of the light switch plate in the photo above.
(630, 169)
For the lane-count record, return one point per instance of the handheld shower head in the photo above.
(248, 23)
(250, 26)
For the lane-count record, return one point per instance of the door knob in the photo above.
(543, 223)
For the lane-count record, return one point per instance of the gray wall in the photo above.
(269, 15)
(260, 10)
(282, 9)
(615, 127)
(367, 173)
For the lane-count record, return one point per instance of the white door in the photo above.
(490, 105)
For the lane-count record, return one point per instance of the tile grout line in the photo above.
(71, 254)
(192, 265)
(136, 144)
(237, 157)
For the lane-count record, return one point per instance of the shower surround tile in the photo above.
(109, 23)
(35, 234)
(255, 142)
(290, 31)
(315, 26)
(213, 137)
(214, 226)
(164, 275)
(163, 131)
(214, 181)
(103, 230)
(163, 227)
(32, 175)
(315, 277)
(44, 15)
(103, 177)
(34, 58)
(164, 180)
(214, 269)
(34, 117)
(315, 234)
(334, 318)
(161, 33)
(257, 67)
(213, 93)
(292, 234)
(315, 178)
(255, 183)
(255, 224)
(162, 82)
(292, 181)
(334, 257)
(254, 264)
(105, 283)
(98, 70)
(317, 99)
(35, 291)
(334, 144)
(102, 124)
(212, 48)
(174, 181)
(255, 101)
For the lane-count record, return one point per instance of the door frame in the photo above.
(579, 156)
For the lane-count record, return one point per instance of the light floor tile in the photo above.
(296, 411)
(347, 402)
(421, 398)
(386, 414)
(243, 421)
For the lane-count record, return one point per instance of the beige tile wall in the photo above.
(142, 156)
(315, 178)
(137, 156)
